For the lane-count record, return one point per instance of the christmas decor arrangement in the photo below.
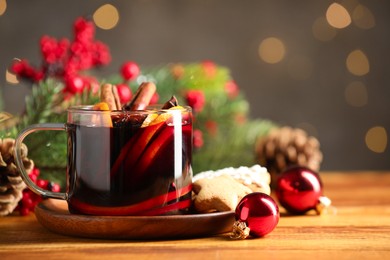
(224, 135)
(285, 147)
(65, 78)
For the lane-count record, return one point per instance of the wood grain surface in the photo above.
(359, 230)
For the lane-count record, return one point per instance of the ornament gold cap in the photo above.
(240, 230)
(323, 203)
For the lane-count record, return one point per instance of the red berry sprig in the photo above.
(30, 199)
(23, 69)
(54, 51)
(66, 60)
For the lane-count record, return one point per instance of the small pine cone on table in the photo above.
(284, 147)
(11, 183)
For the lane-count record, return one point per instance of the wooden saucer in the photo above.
(54, 215)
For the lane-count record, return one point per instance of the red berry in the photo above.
(209, 68)
(82, 55)
(212, 127)
(26, 194)
(124, 93)
(42, 183)
(91, 83)
(35, 171)
(84, 30)
(231, 89)
(102, 54)
(27, 202)
(130, 70)
(155, 98)
(34, 196)
(196, 99)
(75, 84)
(53, 51)
(24, 211)
(33, 177)
(23, 69)
(54, 187)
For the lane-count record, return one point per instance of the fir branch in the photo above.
(41, 105)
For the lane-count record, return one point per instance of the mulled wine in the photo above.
(130, 163)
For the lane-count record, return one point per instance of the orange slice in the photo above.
(153, 119)
(103, 119)
(101, 106)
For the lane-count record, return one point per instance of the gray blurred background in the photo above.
(308, 82)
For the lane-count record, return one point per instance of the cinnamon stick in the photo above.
(142, 97)
(109, 95)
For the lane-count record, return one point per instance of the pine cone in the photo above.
(11, 183)
(286, 146)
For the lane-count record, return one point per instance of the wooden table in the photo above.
(359, 230)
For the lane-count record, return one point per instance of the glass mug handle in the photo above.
(19, 162)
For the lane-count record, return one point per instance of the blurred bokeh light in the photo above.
(272, 50)
(3, 6)
(322, 30)
(357, 63)
(376, 139)
(106, 17)
(338, 16)
(11, 78)
(363, 18)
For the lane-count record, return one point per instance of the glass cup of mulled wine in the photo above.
(135, 163)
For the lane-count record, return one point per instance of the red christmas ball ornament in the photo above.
(124, 93)
(257, 214)
(130, 70)
(299, 190)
